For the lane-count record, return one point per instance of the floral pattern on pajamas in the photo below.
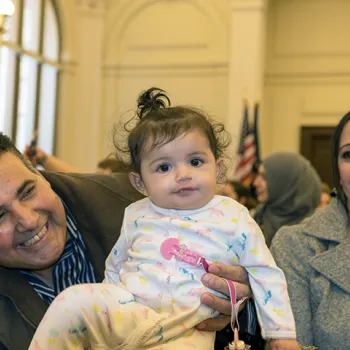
(156, 302)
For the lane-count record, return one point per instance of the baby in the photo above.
(150, 298)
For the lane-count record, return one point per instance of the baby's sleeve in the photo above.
(116, 259)
(267, 281)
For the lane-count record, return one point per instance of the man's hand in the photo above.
(284, 344)
(35, 155)
(214, 280)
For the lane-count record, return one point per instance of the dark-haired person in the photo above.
(288, 189)
(314, 256)
(56, 230)
(51, 163)
(112, 165)
(150, 298)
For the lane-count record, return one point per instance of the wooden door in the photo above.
(315, 145)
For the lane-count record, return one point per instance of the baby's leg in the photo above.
(191, 339)
(90, 316)
(177, 331)
(106, 316)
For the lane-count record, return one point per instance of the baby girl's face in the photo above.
(180, 174)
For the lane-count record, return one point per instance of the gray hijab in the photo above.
(294, 190)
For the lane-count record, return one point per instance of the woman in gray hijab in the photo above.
(288, 188)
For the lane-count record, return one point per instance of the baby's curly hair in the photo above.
(160, 123)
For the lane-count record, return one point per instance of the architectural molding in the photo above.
(168, 47)
(193, 69)
(69, 67)
(91, 5)
(248, 5)
(320, 78)
(123, 15)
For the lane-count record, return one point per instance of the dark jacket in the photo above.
(97, 202)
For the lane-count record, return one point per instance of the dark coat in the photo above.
(97, 202)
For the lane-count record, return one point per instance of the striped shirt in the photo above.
(72, 268)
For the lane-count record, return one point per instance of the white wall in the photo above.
(80, 96)
(114, 49)
(307, 80)
(180, 46)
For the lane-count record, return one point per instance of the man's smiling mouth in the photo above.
(36, 238)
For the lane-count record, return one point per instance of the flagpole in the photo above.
(256, 131)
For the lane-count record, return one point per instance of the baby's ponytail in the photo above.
(151, 100)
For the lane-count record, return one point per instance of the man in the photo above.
(56, 230)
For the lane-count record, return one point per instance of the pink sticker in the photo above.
(168, 247)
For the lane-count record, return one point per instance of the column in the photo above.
(246, 62)
(90, 16)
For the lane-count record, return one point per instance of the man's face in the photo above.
(32, 218)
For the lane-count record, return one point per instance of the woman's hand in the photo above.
(214, 280)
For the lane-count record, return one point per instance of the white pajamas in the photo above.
(167, 292)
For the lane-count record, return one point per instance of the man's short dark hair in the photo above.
(7, 146)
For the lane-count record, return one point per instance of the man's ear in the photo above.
(220, 168)
(136, 181)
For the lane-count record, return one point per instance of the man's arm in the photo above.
(15, 332)
(49, 162)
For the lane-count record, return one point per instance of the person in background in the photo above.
(288, 189)
(325, 196)
(112, 165)
(56, 230)
(314, 256)
(237, 191)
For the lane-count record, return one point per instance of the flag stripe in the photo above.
(247, 149)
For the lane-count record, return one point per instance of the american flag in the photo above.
(247, 149)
